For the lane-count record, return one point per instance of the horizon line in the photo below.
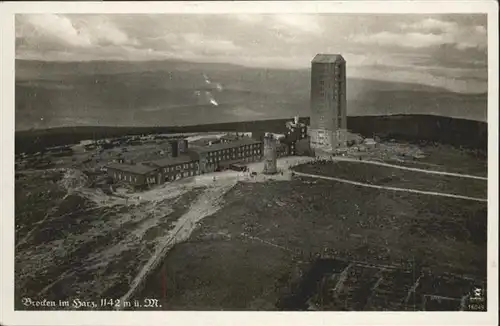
(249, 121)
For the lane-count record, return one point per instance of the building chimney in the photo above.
(183, 145)
(174, 148)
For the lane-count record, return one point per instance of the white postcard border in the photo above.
(10, 317)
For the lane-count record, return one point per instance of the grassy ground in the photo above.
(391, 177)
(450, 159)
(83, 250)
(228, 272)
(35, 195)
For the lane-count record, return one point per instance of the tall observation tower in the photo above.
(328, 102)
(270, 164)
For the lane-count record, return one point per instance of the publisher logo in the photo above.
(477, 294)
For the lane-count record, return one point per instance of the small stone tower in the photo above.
(270, 155)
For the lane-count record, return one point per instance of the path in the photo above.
(205, 205)
(361, 184)
(459, 175)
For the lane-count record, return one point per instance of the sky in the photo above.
(448, 51)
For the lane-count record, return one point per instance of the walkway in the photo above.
(361, 184)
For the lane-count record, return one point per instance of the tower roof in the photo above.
(327, 58)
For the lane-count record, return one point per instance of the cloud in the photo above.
(199, 42)
(248, 18)
(70, 30)
(431, 25)
(409, 40)
(302, 23)
(428, 33)
(105, 32)
(55, 28)
(429, 45)
(288, 23)
(481, 30)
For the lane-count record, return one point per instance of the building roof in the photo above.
(132, 168)
(181, 159)
(327, 58)
(229, 137)
(215, 147)
(291, 124)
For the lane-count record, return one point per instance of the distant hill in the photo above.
(176, 93)
(412, 128)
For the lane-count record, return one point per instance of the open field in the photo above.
(426, 156)
(242, 256)
(393, 177)
(450, 159)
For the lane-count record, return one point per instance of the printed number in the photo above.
(117, 303)
(478, 292)
(150, 303)
(476, 307)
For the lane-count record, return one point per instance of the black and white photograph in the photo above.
(252, 161)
